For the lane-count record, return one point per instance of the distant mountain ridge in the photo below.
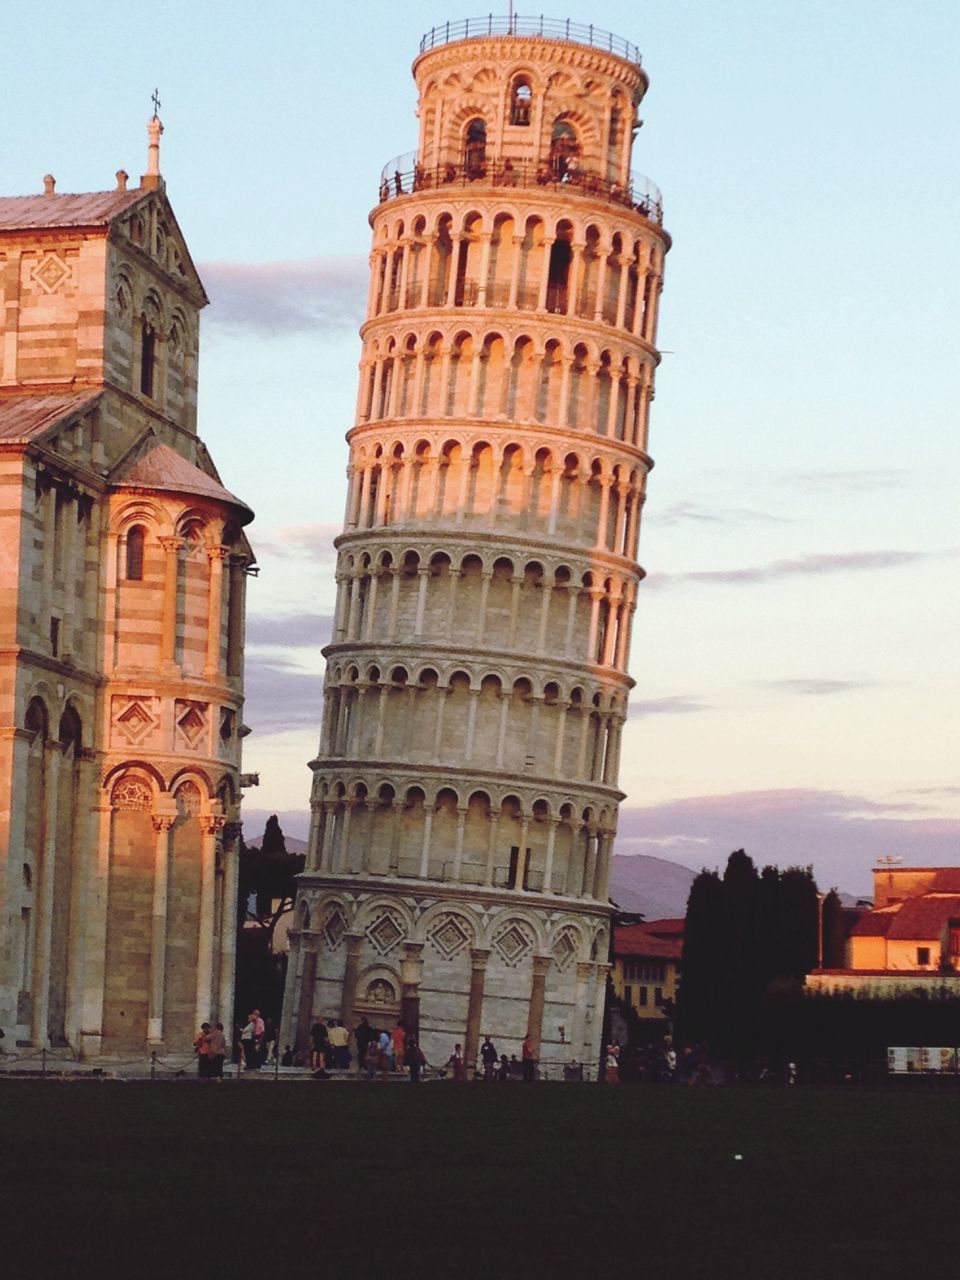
(657, 887)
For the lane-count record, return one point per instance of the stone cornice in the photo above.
(441, 891)
(575, 441)
(475, 51)
(471, 538)
(530, 785)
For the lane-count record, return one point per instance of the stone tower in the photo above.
(122, 628)
(465, 793)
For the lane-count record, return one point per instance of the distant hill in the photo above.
(655, 886)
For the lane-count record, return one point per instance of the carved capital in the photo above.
(162, 822)
(479, 957)
(541, 966)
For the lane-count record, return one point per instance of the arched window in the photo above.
(133, 569)
(564, 149)
(148, 340)
(521, 100)
(475, 150)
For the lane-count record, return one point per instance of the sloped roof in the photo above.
(634, 940)
(24, 417)
(89, 209)
(669, 927)
(925, 918)
(874, 924)
(162, 468)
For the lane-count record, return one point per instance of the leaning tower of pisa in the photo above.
(465, 792)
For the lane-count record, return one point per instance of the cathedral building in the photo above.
(121, 692)
(465, 793)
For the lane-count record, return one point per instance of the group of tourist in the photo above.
(210, 1047)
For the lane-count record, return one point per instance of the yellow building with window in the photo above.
(646, 965)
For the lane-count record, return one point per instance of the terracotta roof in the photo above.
(670, 927)
(925, 918)
(24, 417)
(634, 940)
(947, 880)
(163, 468)
(94, 208)
(874, 924)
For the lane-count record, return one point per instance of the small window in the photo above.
(134, 566)
(148, 339)
(521, 100)
(658, 996)
(923, 955)
(643, 997)
(475, 151)
(55, 637)
(628, 996)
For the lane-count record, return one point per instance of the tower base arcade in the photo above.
(451, 967)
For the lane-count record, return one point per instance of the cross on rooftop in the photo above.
(155, 99)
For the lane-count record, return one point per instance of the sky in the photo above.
(795, 644)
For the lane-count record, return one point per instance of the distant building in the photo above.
(646, 965)
(910, 940)
(121, 687)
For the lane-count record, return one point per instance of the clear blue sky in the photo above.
(796, 643)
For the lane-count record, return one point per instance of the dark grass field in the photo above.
(358, 1180)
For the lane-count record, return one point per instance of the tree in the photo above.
(833, 932)
(266, 891)
(745, 935)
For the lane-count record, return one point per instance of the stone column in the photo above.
(230, 837)
(541, 967)
(158, 940)
(235, 617)
(585, 971)
(411, 975)
(171, 566)
(548, 865)
(211, 827)
(478, 973)
(43, 936)
(545, 272)
(216, 557)
(348, 992)
(309, 946)
(462, 811)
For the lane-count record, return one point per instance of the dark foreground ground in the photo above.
(357, 1180)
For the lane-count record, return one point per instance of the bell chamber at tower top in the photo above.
(528, 104)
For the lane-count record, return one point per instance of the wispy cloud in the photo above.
(290, 631)
(841, 834)
(313, 295)
(863, 479)
(313, 541)
(817, 688)
(280, 696)
(704, 513)
(801, 567)
(676, 704)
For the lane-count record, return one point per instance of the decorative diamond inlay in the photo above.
(333, 928)
(565, 948)
(50, 272)
(133, 718)
(385, 933)
(449, 936)
(192, 722)
(513, 942)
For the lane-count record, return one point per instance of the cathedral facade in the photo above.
(465, 793)
(121, 693)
